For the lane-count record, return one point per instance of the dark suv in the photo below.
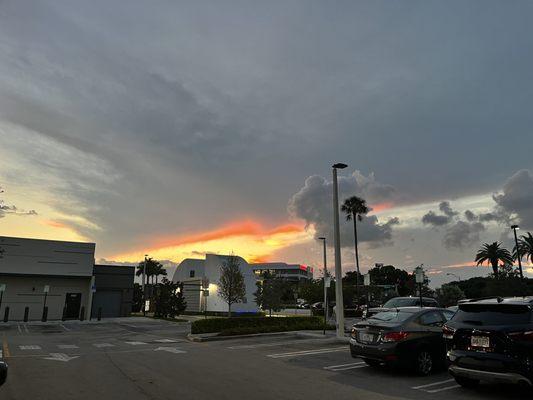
(491, 340)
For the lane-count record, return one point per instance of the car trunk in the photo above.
(371, 333)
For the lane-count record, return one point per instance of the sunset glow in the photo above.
(249, 239)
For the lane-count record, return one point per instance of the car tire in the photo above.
(424, 362)
(372, 363)
(467, 382)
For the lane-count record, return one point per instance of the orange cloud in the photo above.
(377, 208)
(55, 224)
(248, 238)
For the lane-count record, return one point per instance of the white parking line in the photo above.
(344, 367)
(18, 327)
(427, 388)
(259, 345)
(67, 346)
(30, 347)
(308, 352)
(167, 340)
(136, 343)
(65, 328)
(100, 345)
(26, 328)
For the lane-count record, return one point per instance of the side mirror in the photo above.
(3, 372)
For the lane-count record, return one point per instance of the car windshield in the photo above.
(401, 302)
(392, 316)
(493, 314)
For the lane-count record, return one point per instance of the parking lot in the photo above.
(144, 359)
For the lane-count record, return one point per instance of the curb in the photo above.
(213, 337)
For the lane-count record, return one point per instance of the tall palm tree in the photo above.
(355, 209)
(525, 246)
(492, 254)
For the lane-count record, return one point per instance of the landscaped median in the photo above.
(253, 325)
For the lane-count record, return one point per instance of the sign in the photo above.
(206, 292)
(420, 277)
(46, 289)
(328, 281)
(147, 305)
(367, 279)
(2, 287)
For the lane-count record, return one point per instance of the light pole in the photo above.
(454, 275)
(325, 284)
(515, 228)
(143, 305)
(339, 306)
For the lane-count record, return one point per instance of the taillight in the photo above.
(447, 332)
(354, 333)
(523, 336)
(395, 336)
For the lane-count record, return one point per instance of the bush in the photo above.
(247, 325)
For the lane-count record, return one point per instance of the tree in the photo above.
(137, 298)
(153, 269)
(231, 285)
(525, 246)
(449, 295)
(169, 301)
(492, 254)
(269, 293)
(390, 275)
(355, 208)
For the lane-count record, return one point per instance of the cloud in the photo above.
(436, 220)
(462, 234)
(446, 208)
(517, 198)
(313, 204)
(13, 210)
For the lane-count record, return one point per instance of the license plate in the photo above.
(367, 337)
(480, 341)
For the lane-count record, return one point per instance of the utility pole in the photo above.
(143, 284)
(339, 306)
(325, 284)
(515, 228)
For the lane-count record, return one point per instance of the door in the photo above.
(72, 305)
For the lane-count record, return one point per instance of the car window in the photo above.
(432, 318)
(493, 314)
(400, 302)
(448, 314)
(391, 316)
(429, 303)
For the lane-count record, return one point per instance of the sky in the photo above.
(176, 128)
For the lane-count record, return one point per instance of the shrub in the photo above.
(245, 325)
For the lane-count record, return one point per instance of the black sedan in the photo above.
(407, 337)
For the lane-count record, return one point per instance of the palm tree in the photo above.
(159, 270)
(355, 208)
(492, 254)
(525, 246)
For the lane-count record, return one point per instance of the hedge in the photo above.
(239, 326)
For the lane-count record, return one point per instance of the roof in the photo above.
(526, 300)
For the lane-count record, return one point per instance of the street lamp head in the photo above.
(321, 238)
(515, 227)
(339, 166)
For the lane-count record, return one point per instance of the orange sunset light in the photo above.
(249, 239)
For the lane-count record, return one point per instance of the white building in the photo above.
(196, 273)
(290, 272)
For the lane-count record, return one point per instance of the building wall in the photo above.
(27, 291)
(46, 257)
(114, 290)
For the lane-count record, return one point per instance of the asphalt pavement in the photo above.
(149, 359)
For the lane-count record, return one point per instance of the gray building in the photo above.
(114, 290)
(36, 273)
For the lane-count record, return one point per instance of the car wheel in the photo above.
(424, 362)
(372, 363)
(466, 382)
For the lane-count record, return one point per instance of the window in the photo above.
(191, 273)
(448, 314)
(432, 318)
(493, 314)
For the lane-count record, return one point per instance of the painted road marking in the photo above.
(167, 340)
(65, 328)
(344, 367)
(428, 388)
(60, 357)
(100, 345)
(26, 328)
(170, 350)
(259, 345)
(30, 347)
(308, 352)
(18, 327)
(67, 346)
(136, 343)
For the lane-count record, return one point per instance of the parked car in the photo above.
(406, 336)
(3, 372)
(396, 302)
(491, 340)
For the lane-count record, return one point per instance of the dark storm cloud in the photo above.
(517, 198)
(313, 204)
(436, 220)
(180, 103)
(462, 234)
(445, 207)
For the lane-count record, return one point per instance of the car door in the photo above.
(431, 323)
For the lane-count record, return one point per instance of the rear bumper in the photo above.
(496, 377)
(386, 353)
